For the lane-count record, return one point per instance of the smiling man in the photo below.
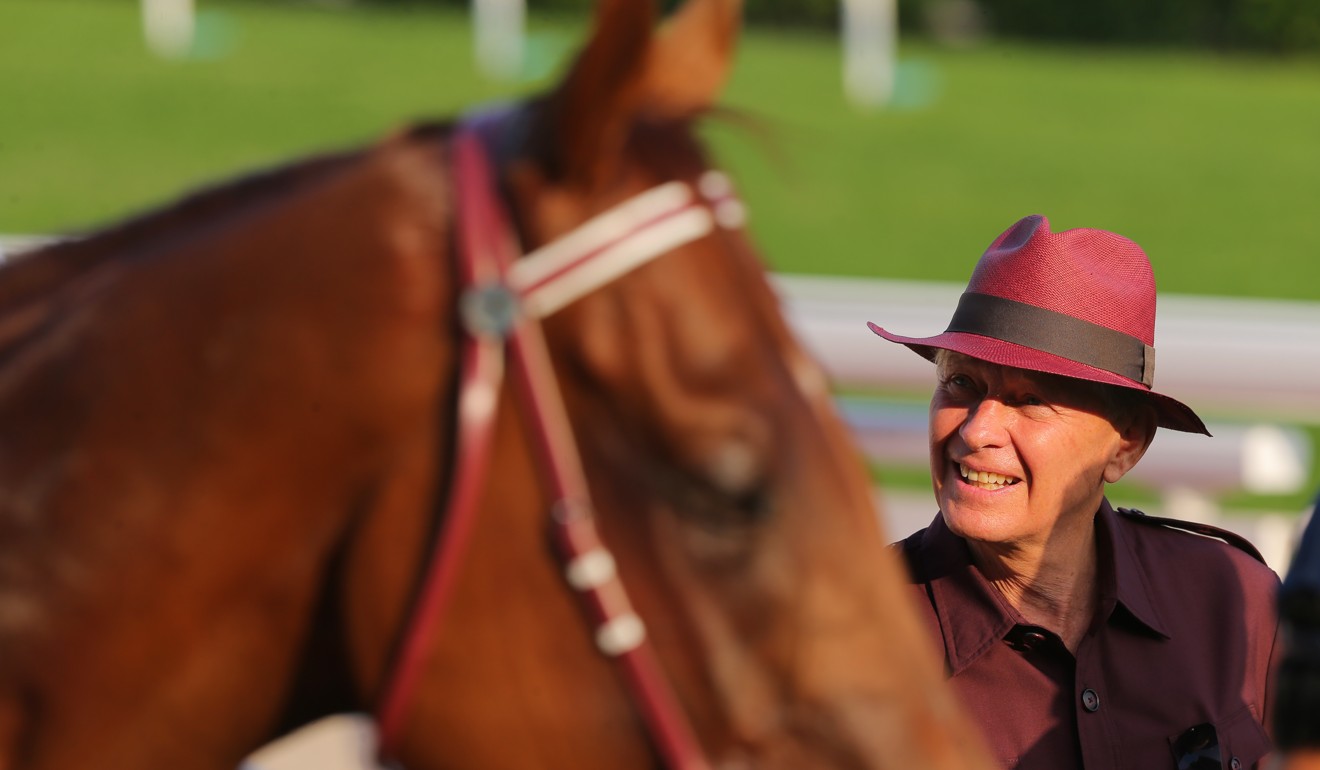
(1079, 635)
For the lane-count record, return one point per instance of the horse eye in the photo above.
(723, 508)
(712, 501)
(722, 527)
(752, 506)
(720, 531)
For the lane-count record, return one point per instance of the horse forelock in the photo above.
(668, 148)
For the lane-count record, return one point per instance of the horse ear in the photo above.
(626, 70)
(690, 58)
(581, 127)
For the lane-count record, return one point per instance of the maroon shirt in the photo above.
(1180, 652)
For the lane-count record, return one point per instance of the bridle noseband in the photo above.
(502, 302)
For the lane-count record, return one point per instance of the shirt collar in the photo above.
(972, 614)
(1127, 579)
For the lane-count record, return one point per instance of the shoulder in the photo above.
(909, 544)
(1178, 545)
(909, 549)
(931, 551)
(1192, 527)
(1183, 528)
(924, 560)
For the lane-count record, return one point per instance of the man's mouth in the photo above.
(986, 479)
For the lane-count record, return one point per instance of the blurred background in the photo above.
(880, 146)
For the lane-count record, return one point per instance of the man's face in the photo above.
(1015, 453)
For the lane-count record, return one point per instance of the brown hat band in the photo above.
(1055, 333)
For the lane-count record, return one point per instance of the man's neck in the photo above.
(1051, 584)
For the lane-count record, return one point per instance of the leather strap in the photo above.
(501, 318)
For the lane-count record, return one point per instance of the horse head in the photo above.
(228, 425)
(724, 483)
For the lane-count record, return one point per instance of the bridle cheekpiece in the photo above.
(503, 300)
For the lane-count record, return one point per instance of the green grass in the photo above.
(93, 126)
(1212, 163)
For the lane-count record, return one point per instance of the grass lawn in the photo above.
(1212, 163)
(93, 126)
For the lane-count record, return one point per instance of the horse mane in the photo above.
(655, 144)
(38, 271)
(34, 283)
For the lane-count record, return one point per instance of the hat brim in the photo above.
(1170, 413)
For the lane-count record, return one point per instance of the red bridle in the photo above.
(502, 303)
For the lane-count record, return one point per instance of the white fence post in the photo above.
(170, 27)
(498, 36)
(870, 34)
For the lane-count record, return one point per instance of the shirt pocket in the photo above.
(1242, 742)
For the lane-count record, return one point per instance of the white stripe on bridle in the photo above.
(621, 239)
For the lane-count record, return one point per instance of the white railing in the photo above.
(14, 244)
(1230, 357)
(1251, 367)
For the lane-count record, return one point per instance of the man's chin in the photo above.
(980, 524)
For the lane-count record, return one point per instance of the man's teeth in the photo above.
(985, 477)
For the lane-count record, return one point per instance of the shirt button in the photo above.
(1026, 638)
(1236, 764)
(1090, 700)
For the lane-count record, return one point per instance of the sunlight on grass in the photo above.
(1211, 163)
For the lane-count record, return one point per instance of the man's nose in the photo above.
(986, 425)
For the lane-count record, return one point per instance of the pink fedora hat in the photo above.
(1079, 303)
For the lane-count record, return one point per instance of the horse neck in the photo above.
(275, 373)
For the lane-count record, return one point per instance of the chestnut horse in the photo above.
(230, 429)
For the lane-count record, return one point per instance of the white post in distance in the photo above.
(870, 33)
(169, 26)
(498, 34)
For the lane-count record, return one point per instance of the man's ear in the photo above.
(1135, 432)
